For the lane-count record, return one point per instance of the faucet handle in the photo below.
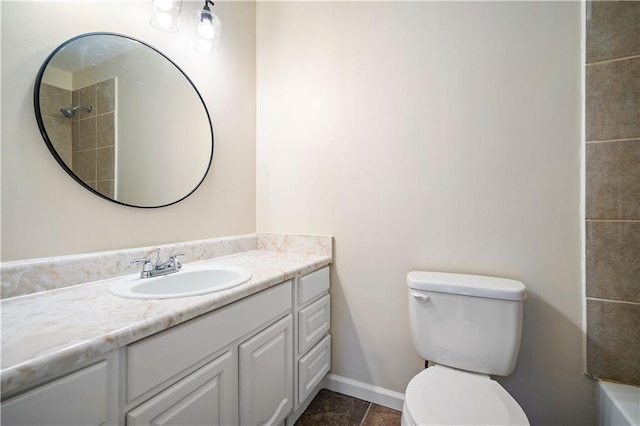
(174, 258)
(146, 263)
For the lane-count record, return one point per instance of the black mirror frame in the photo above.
(47, 140)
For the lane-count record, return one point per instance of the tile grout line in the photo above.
(599, 299)
(614, 220)
(613, 140)
(606, 61)
(366, 413)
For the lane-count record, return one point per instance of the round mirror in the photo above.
(123, 120)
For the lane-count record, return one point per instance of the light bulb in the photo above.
(206, 29)
(166, 15)
(204, 46)
(165, 20)
(164, 4)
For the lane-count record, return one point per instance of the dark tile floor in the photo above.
(332, 408)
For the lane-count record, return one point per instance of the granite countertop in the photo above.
(44, 334)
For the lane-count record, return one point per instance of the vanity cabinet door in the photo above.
(80, 398)
(155, 360)
(266, 375)
(205, 397)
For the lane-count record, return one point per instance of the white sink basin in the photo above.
(189, 281)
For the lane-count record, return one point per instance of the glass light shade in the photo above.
(164, 4)
(208, 28)
(166, 15)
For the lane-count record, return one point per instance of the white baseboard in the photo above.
(365, 391)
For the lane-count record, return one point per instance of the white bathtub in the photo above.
(619, 404)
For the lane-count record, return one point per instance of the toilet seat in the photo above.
(445, 396)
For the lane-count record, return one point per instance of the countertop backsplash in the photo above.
(20, 278)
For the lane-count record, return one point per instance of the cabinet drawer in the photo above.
(313, 366)
(162, 356)
(81, 398)
(206, 396)
(312, 285)
(313, 323)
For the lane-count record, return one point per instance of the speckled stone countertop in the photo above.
(44, 334)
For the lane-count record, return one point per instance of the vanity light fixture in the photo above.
(166, 15)
(208, 28)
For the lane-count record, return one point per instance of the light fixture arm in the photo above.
(206, 16)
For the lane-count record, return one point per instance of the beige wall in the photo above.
(44, 212)
(433, 136)
(442, 136)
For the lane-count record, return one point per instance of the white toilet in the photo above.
(469, 326)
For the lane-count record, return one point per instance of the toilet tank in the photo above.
(470, 322)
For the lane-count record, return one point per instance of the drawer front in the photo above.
(313, 285)
(206, 396)
(313, 366)
(81, 398)
(160, 357)
(313, 323)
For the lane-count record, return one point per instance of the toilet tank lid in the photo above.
(468, 285)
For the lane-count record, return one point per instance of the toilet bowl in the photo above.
(441, 395)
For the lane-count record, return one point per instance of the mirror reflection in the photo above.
(123, 120)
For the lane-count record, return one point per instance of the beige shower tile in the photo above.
(59, 132)
(105, 96)
(613, 260)
(613, 30)
(67, 157)
(75, 100)
(106, 163)
(613, 340)
(613, 180)
(85, 97)
(613, 100)
(52, 99)
(105, 130)
(86, 138)
(84, 165)
(105, 187)
(75, 135)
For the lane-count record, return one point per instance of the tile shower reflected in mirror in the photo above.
(81, 125)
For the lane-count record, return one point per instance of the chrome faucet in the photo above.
(151, 269)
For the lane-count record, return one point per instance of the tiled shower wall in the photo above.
(613, 190)
(93, 140)
(58, 127)
(87, 142)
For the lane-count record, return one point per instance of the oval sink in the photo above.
(189, 281)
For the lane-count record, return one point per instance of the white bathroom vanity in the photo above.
(253, 354)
